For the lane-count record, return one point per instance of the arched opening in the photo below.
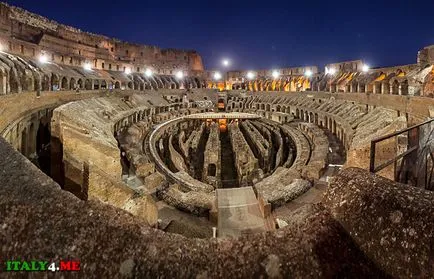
(88, 84)
(45, 83)
(404, 87)
(64, 83)
(212, 170)
(173, 86)
(23, 148)
(395, 87)
(36, 84)
(72, 84)
(54, 82)
(130, 85)
(96, 84)
(80, 83)
(103, 84)
(43, 147)
(377, 88)
(117, 85)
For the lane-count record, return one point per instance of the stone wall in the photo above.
(340, 239)
(70, 46)
(212, 157)
(245, 162)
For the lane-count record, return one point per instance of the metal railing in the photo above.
(410, 151)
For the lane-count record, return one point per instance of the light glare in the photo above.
(87, 66)
(331, 71)
(308, 73)
(226, 62)
(365, 68)
(217, 76)
(251, 75)
(179, 75)
(275, 74)
(148, 72)
(128, 71)
(43, 58)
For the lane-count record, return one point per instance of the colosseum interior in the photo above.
(132, 159)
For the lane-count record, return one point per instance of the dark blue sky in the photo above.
(259, 34)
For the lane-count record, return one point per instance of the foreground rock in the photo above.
(393, 224)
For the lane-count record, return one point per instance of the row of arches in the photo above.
(321, 119)
(18, 75)
(294, 84)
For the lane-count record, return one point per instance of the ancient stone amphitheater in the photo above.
(132, 160)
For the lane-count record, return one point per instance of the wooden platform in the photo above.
(238, 212)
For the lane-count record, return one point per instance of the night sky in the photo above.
(259, 34)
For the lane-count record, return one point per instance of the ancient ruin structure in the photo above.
(109, 154)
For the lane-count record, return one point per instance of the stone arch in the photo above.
(96, 84)
(404, 87)
(64, 83)
(45, 83)
(377, 88)
(130, 85)
(55, 82)
(72, 84)
(361, 87)
(80, 83)
(395, 87)
(88, 84)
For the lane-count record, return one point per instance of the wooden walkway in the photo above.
(238, 212)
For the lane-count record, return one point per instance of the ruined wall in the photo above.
(28, 34)
(212, 157)
(245, 162)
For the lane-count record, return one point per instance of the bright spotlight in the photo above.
(217, 76)
(128, 71)
(308, 73)
(251, 75)
(179, 75)
(365, 68)
(87, 66)
(148, 72)
(275, 74)
(43, 58)
(226, 62)
(331, 71)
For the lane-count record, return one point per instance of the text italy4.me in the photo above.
(40, 265)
